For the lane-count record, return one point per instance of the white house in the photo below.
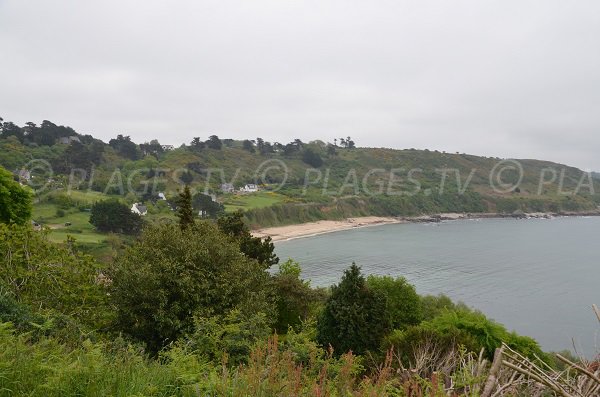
(138, 208)
(167, 147)
(249, 188)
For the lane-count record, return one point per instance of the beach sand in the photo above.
(282, 233)
(289, 232)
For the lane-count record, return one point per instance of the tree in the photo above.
(185, 213)
(214, 142)
(248, 145)
(202, 202)
(78, 155)
(11, 129)
(331, 150)
(171, 275)
(186, 177)
(354, 317)
(260, 145)
(197, 143)
(348, 143)
(48, 276)
(294, 297)
(153, 148)
(15, 200)
(113, 216)
(312, 158)
(253, 247)
(267, 148)
(402, 301)
(124, 146)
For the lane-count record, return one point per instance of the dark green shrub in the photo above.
(354, 318)
(233, 334)
(481, 332)
(170, 275)
(294, 297)
(402, 302)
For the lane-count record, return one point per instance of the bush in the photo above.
(233, 335)
(60, 213)
(46, 276)
(294, 297)
(403, 305)
(355, 317)
(433, 306)
(16, 313)
(15, 201)
(471, 329)
(114, 216)
(170, 275)
(312, 158)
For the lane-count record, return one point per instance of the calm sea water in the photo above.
(538, 277)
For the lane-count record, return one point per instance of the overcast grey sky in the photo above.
(503, 78)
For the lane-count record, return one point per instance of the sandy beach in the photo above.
(289, 232)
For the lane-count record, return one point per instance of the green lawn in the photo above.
(84, 233)
(80, 227)
(252, 200)
(87, 196)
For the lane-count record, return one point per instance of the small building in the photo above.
(249, 188)
(138, 208)
(167, 147)
(227, 188)
(67, 140)
(161, 196)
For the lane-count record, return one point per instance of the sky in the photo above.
(507, 78)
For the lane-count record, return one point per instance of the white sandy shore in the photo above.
(315, 228)
(282, 233)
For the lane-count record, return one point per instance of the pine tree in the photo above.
(185, 213)
(354, 317)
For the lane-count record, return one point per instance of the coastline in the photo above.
(310, 229)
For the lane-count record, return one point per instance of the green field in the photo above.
(79, 228)
(252, 201)
(75, 222)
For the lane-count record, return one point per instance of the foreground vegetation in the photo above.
(191, 308)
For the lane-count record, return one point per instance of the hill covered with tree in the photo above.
(309, 180)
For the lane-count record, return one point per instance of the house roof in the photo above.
(140, 207)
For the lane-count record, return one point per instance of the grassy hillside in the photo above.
(299, 181)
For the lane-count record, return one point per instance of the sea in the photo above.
(538, 277)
